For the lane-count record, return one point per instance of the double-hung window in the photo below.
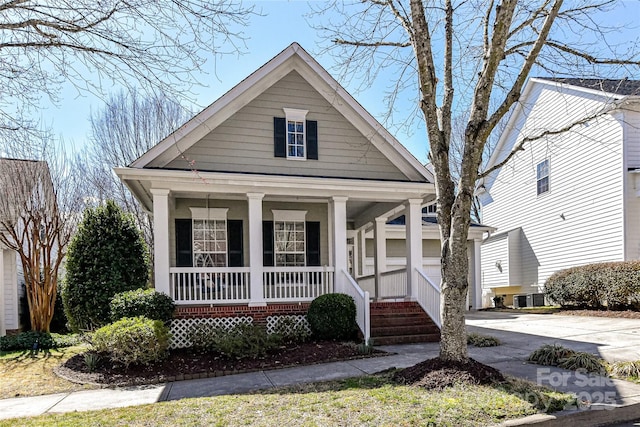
(542, 177)
(209, 237)
(296, 133)
(289, 238)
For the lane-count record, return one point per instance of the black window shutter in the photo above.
(267, 244)
(234, 244)
(312, 140)
(279, 137)
(313, 243)
(184, 251)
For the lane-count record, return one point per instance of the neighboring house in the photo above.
(259, 201)
(18, 181)
(569, 198)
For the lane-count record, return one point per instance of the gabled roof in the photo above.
(609, 90)
(294, 57)
(623, 87)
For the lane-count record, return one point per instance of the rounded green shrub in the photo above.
(332, 316)
(142, 302)
(133, 340)
(106, 256)
(612, 284)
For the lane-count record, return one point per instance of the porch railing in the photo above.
(202, 285)
(393, 284)
(361, 298)
(297, 283)
(428, 296)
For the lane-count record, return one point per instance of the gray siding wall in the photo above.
(244, 143)
(238, 209)
(398, 248)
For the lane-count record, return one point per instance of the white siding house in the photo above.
(571, 197)
(265, 200)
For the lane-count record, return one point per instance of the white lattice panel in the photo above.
(297, 320)
(180, 327)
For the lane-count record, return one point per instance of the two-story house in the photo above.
(572, 195)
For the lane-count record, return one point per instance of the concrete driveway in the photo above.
(610, 338)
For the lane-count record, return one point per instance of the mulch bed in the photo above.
(185, 364)
(436, 374)
(622, 314)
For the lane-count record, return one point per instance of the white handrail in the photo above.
(428, 296)
(361, 298)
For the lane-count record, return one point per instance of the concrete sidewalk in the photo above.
(520, 334)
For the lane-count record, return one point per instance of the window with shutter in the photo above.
(294, 137)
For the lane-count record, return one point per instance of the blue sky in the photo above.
(283, 23)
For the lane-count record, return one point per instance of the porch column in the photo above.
(362, 250)
(338, 206)
(161, 240)
(413, 227)
(379, 252)
(475, 287)
(256, 290)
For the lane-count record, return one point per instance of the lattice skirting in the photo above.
(180, 327)
(296, 321)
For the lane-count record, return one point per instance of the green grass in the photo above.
(366, 401)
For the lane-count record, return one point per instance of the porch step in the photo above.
(401, 323)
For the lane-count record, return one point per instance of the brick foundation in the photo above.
(259, 314)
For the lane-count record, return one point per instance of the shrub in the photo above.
(614, 284)
(629, 370)
(142, 302)
(133, 340)
(106, 256)
(332, 316)
(550, 354)
(239, 341)
(584, 361)
(479, 340)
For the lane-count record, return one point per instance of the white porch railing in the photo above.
(428, 296)
(200, 285)
(393, 284)
(361, 298)
(297, 283)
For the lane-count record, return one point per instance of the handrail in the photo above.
(428, 296)
(361, 298)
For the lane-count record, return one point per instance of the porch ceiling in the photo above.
(366, 198)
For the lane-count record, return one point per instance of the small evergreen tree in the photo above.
(106, 256)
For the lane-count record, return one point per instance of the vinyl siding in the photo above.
(585, 183)
(632, 138)
(632, 199)
(10, 284)
(493, 251)
(244, 143)
(238, 209)
(398, 248)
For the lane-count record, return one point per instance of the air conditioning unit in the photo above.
(519, 301)
(535, 300)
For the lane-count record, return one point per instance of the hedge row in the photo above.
(614, 285)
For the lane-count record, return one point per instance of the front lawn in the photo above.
(27, 374)
(367, 401)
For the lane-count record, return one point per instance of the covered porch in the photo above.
(256, 240)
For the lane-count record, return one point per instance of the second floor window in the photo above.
(542, 177)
